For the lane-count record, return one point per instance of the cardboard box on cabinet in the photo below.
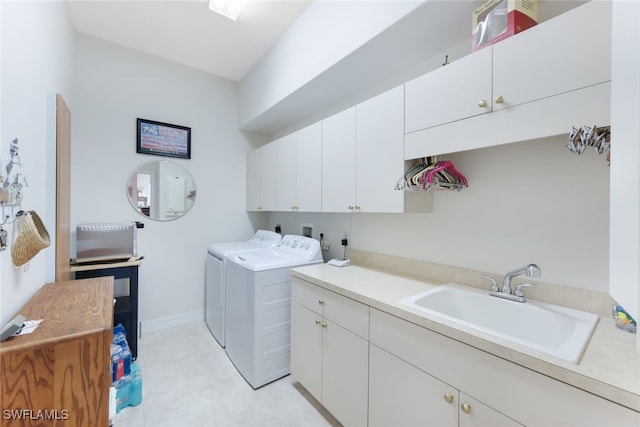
(498, 19)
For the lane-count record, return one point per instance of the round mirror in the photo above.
(161, 190)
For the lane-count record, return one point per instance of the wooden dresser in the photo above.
(60, 374)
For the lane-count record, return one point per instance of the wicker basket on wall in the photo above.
(32, 238)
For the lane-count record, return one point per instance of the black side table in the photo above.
(126, 308)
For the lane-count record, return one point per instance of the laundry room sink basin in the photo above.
(557, 331)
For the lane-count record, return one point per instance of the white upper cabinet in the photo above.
(287, 172)
(362, 150)
(261, 178)
(254, 187)
(568, 52)
(456, 91)
(557, 75)
(338, 162)
(380, 152)
(309, 168)
(363, 158)
(269, 164)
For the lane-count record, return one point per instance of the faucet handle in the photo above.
(520, 289)
(494, 283)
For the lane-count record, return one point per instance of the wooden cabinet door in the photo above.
(345, 370)
(286, 172)
(477, 414)
(402, 395)
(450, 93)
(338, 162)
(380, 152)
(568, 52)
(254, 174)
(309, 169)
(306, 349)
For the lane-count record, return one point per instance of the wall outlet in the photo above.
(325, 246)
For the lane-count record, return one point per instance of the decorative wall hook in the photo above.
(12, 186)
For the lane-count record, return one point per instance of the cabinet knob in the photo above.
(482, 103)
(321, 301)
(350, 207)
(317, 322)
(466, 407)
(448, 398)
(357, 207)
(324, 325)
(499, 99)
(259, 208)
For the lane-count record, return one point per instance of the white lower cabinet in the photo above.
(402, 395)
(329, 350)
(368, 367)
(502, 391)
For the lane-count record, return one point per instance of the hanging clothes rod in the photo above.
(429, 173)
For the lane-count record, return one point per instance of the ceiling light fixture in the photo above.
(228, 8)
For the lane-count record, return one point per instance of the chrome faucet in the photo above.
(530, 270)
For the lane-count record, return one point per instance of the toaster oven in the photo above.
(105, 242)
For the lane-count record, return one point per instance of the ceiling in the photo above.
(187, 32)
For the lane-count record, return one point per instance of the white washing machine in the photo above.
(215, 276)
(259, 307)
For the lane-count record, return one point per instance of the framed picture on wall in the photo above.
(163, 139)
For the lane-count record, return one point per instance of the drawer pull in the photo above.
(448, 398)
(482, 103)
(324, 325)
(317, 322)
(466, 407)
(499, 99)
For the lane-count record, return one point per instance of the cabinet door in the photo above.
(345, 370)
(268, 176)
(380, 152)
(254, 174)
(306, 349)
(450, 93)
(338, 162)
(476, 414)
(309, 164)
(402, 395)
(568, 52)
(286, 172)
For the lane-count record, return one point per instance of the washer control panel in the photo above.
(304, 246)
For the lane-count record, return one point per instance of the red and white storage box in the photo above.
(498, 19)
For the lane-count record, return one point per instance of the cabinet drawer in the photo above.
(346, 312)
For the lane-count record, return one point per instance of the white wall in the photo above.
(324, 35)
(625, 179)
(37, 55)
(531, 202)
(114, 86)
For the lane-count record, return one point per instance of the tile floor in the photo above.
(188, 380)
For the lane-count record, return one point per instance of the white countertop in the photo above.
(609, 368)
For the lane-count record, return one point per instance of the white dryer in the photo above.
(215, 276)
(259, 307)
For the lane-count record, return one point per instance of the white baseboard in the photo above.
(168, 322)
